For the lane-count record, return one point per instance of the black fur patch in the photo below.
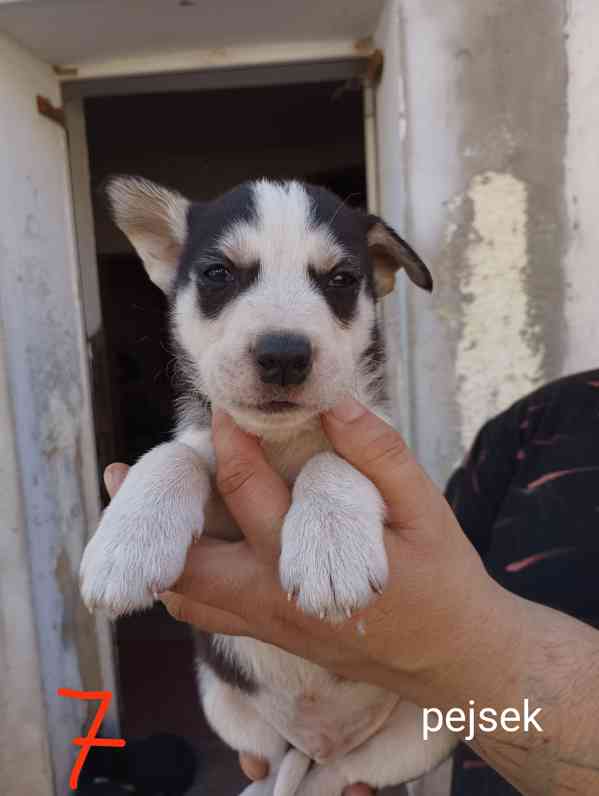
(213, 298)
(349, 228)
(224, 666)
(342, 301)
(372, 362)
(206, 223)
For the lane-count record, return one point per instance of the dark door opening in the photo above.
(200, 143)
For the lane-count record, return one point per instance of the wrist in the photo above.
(485, 653)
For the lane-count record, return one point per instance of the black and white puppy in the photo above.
(273, 290)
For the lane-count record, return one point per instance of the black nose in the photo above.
(283, 358)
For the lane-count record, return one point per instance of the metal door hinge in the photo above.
(45, 107)
(374, 67)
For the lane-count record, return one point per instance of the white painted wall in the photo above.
(49, 481)
(488, 124)
(23, 727)
(581, 195)
(487, 137)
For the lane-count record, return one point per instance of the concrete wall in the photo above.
(494, 184)
(49, 487)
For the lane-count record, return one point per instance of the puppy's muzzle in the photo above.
(283, 358)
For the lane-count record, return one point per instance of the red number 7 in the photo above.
(90, 739)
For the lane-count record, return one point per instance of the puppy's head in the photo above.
(272, 289)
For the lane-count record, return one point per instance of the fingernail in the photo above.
(348, 410)
(220, 419)
(218, 416)
(112, 478)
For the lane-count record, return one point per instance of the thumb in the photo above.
(257, 497)
(114, 475)
(380, 452)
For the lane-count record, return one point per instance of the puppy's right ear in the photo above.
(155, 221)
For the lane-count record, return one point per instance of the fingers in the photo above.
(380, 452)
(212, 620)
(256, 769)
(257, 497)
(253, 767)
(219, 574)
(114, 475)
(227, 576)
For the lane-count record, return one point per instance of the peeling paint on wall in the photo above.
(496, 335)
(489, 99)
(581, 314)
(47, 387)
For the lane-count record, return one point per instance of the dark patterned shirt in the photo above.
(528, 499)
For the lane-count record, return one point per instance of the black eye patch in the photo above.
(340, 288)
(219, 282)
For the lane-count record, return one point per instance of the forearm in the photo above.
(524, 651)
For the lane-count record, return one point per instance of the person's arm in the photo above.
(443, 632)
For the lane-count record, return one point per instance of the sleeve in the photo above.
(476, 490)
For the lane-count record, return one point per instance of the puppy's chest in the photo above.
(323, 717)
(286, 457)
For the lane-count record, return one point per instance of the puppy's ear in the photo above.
(389, 253)
(155, 221)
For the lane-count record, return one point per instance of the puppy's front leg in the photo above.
(140, 546)
(333, 556)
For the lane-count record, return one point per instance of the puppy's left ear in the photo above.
(389, 253)
(155, 221)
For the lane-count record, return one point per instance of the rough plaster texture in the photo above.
(486, 147)
(496, 325)
(21, 697)
(46, 385)
(581, 261)
(483, 137)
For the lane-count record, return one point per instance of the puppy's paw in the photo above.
(140, 546)
(128, 562)
(333, 556)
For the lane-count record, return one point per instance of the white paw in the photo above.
(141, 543)
(333, 557)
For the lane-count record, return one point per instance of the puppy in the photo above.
(272, 290)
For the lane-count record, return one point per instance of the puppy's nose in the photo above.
(283, 358)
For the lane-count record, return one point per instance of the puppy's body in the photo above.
(272, 292)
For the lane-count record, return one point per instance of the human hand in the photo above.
(408, 640)
(254, 768)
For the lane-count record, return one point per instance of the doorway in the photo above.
(200, 143)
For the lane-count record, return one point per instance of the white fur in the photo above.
(140, 546)
(154, 219)
(333, 556)
(285, 241)
(397, 753)
(332, 543)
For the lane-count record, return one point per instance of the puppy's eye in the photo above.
(219, 275)
(343, 279)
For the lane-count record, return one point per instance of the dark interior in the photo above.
(200, 143)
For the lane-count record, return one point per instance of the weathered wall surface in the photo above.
(496, 141)
(49, 482)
